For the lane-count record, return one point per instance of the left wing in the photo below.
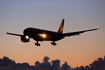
(79, 32)
(14, 34)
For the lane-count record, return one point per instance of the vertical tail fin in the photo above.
(61, 27)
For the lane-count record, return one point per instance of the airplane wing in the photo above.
(78, 32)
(14, 34)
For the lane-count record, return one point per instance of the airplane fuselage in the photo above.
(42, 35)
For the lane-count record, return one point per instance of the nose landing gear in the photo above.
(53, 43)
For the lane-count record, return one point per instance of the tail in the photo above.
(61, 27)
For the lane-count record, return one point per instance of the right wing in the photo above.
(14, 34)
(78, 32)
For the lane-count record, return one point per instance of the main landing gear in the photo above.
(37, 44)
(53, 43)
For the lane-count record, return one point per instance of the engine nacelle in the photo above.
(25, 38)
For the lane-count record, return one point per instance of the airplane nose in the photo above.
(25, 32)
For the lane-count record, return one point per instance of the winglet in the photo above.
(61, 27)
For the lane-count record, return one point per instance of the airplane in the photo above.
(45, 35)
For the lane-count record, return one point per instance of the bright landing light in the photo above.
(27, 37)
(43, 35)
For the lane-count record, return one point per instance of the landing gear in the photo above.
(53, 43)
(37, 44)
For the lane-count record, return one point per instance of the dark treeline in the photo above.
(8, 64)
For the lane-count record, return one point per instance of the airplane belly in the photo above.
(47, 37)
(55, 37)
(40, 37)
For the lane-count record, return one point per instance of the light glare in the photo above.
(27, 37)
(43, 35)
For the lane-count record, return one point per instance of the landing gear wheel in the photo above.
(53, 43)
(37, 44)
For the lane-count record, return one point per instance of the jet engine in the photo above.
(25, 38)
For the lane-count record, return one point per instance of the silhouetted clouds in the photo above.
(65, 66)
(55, 64)
(98, 64)
(8, 64)
(6, 61)
(46, 60)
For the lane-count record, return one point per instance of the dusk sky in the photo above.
(16, 15)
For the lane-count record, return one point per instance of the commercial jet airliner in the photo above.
(45, 35)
